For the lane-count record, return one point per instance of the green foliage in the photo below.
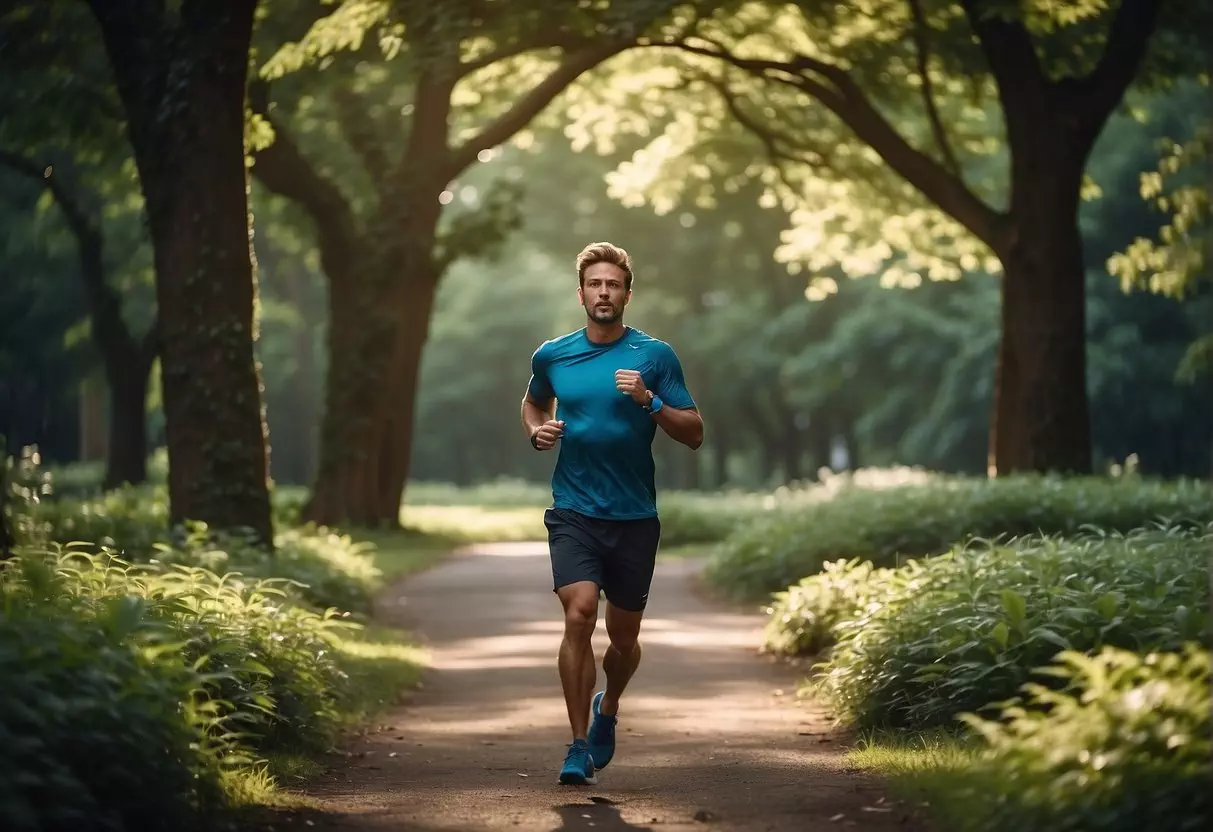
(803, 618)
(1123, 745)
(777, 549)
(101, 728)
(953, 633)
(323, 568)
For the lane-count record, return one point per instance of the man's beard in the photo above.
(604, 314)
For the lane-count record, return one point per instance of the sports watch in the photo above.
(654, 404)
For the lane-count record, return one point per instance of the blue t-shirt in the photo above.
(605, 463)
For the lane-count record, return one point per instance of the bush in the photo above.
(324, 569)
(955, 632)
(1123, 746)
(268, 664)
(802, 619)
(93, 728)
(779, 547)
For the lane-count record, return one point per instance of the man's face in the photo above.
(603, 293)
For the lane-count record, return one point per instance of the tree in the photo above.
(126, 358)
(181, 71)
(421, 102)
(879, 120)
(64, 112)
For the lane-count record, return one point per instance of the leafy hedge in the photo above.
(150, 676)
(777, 548)
(107, 664)
(951, 634)
(325, 569)
(1117, 742)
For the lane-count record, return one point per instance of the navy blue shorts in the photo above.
(617, 555)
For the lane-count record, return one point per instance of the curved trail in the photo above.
(710, 734)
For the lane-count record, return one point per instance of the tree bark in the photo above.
(396, 419)
(376, 343)
(127, 458)
(182, 77)
(1041, 413)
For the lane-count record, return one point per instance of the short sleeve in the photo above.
(540, 387)
(671, 386)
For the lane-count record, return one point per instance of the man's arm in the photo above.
(681, 425)
(534, 413)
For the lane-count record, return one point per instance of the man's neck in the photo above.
(604, 333)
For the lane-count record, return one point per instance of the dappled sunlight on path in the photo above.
(709, 731)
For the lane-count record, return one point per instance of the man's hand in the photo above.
(631, 383)
(545, 436)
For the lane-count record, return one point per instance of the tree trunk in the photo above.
(185, 109)
(398, 415)
(93, 446)
(376, 338)
(126, 462)
(1041, 413)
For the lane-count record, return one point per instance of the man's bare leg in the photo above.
(576, 662)
(622, 655)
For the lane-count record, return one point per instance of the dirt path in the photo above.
(709, 734)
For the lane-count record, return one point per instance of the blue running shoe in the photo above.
(578, 766)
(602, 733)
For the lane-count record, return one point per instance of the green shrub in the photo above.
(1122, 746)
(270, 665)
(325, 569)
(954, 632)
(315, 566)
(777, 548)
(100, 730)
(802, 618)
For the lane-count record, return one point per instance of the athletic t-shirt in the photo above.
(605, 463)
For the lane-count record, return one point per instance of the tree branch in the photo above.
(110, 331)
(1128, 37)
(771, 138)
(847, 100)
(284, 170)
(928, 89)
(530, 105)
(786, 72)
(81, 224)
(1006, 44)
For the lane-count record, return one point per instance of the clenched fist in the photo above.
(631, 383)
(545, 436)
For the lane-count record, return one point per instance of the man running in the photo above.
(614, 385)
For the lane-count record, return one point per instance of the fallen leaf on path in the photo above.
(837, 817)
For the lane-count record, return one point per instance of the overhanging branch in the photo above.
(110, 331)
(286, 171)
(531, 104)
(776, 142)
(922, 50)
(834, 88)
(1129, 35)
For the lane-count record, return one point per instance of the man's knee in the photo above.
(580, 610)
(623, 629)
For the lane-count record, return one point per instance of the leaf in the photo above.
(1015, 607)
(1001, 633)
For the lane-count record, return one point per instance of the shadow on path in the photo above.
(710, 733)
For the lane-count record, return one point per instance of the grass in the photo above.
(464, 523)
(921, 767)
